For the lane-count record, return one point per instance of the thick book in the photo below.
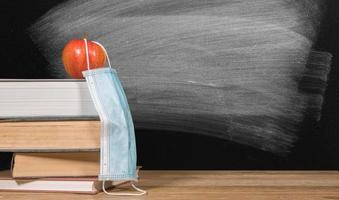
(31, 136)
(90, 185)
(45, 98)
(38, 165)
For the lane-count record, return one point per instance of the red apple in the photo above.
(74, 57)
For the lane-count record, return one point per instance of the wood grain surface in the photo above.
(219, 185)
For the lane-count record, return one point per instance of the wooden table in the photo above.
(310, 185)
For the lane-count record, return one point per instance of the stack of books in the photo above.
(53, 131)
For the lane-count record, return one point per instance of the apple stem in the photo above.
(86, 36)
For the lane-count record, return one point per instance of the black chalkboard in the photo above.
(27, 54)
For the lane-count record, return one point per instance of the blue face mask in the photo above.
(118, 148)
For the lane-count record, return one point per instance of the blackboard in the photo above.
(317, 145)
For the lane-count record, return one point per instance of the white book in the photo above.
(55, 98)
(90, 185)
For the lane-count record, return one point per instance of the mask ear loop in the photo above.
(141, 192)
(87, 55)
(103, 48)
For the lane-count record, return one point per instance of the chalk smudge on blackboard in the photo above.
(237, 69)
